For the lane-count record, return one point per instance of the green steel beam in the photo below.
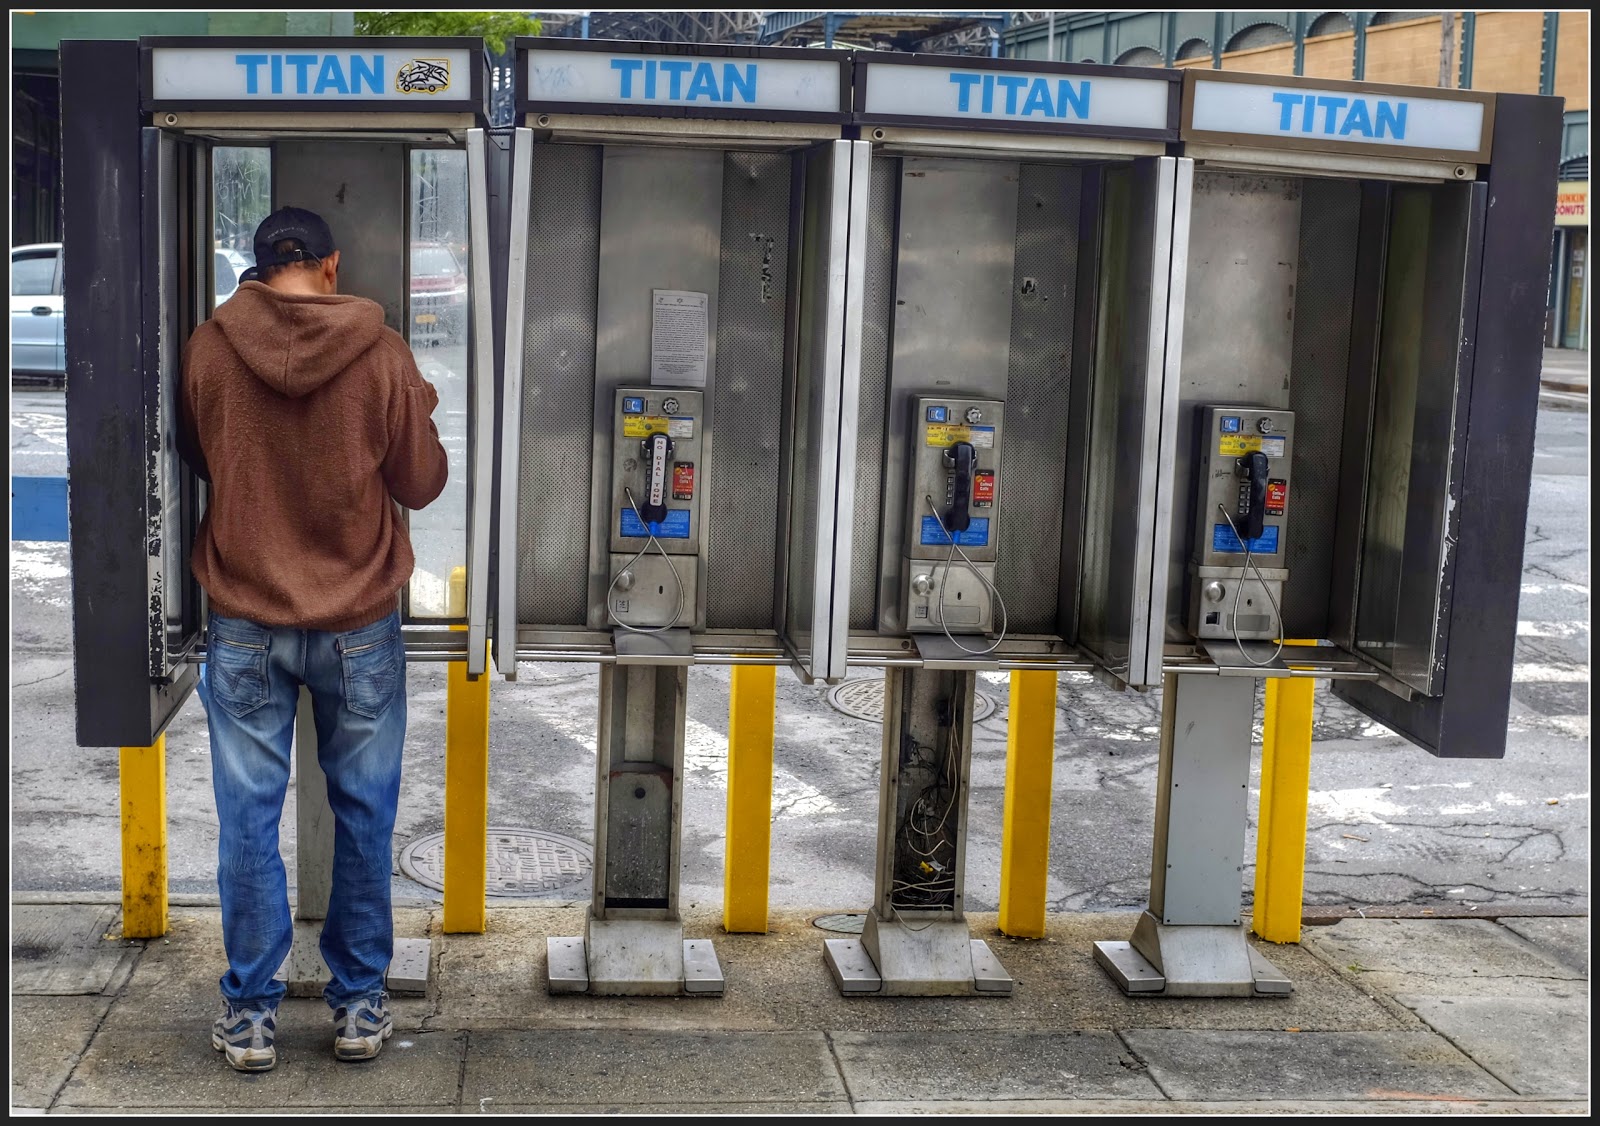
(1547, 54)
(1469, 32)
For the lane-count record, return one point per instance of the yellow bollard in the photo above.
(1285, 791)
(466, 787)
(1025, 830)
(144, 839)
(752, 717)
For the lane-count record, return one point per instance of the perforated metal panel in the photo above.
(1033, 467)
(748, 394)
(877, 323)
(558, 386)
(1329, 235)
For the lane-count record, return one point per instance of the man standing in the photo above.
(310, 420)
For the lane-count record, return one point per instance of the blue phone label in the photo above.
(674, 527)
(1223, 539)
(976, 535)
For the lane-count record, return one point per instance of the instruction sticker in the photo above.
(1224, 539)
(949, 433)
(679, 337)
(674, 527)
(1237, 445)
(644, 425)
(976, 535)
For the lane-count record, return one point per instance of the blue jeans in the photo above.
(250, 691)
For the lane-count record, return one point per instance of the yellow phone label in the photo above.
(941, 434)
(1235, 445)
(643, 425)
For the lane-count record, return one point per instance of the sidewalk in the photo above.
(1393, 1016)
(1565, 369)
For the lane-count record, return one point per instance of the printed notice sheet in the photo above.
(679, 333)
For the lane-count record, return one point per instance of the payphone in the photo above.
(1018, 220)
(953, 511)
(656, 442)
(1241, 523)
(1348, 443)
(679, 343)
(199, 138)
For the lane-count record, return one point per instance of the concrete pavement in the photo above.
(1388, 1016)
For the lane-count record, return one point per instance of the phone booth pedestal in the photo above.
(916, 942)
(1190, 941)
(633, 942)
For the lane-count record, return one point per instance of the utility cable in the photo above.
(1239, 589)
(982, 578)
(650, 532)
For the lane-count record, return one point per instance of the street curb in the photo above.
(1571, 388)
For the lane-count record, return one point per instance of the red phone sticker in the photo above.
(1277, 497)
(683, 481)
(983, 488)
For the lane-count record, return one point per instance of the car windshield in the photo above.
(433, 260)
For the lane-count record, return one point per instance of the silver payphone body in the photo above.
(675, 360)
(1356, 321)
(205, 136)
(1015, 303)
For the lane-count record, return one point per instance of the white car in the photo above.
(38, 345)
(38, 338)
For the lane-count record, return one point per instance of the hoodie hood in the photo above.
(295, 343)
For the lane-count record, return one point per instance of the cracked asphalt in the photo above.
(1389, 825)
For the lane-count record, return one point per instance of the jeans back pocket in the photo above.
(372, 672)
(238, 674)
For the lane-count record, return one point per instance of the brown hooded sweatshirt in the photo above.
(310, 419)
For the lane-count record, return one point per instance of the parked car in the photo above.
(438, 294)
(227, 277)
(38, 345)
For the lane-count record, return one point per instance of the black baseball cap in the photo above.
(290, 223)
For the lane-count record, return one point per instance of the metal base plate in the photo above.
(1202, 961)
(940, 652)
(306, 974)
(948, 963)
(699, 973)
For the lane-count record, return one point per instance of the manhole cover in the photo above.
(522, 862)
(845, 924)
(863, 699)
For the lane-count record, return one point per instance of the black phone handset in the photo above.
(1253, 494)
(961, 458)
(657, 451)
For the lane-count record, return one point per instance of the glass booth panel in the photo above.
(438, 261)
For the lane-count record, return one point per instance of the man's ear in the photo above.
(330, 269)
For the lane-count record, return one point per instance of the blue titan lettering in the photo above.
(1039, 100)
(988, 93)
(626, 67)
(331, 77)
(1358, 120)
(964, 84)
(676, 69)
(742, 84)
(1392, 116)
(704, 84)
(1288, 102)
(1077, 100)
(372, 72)
(277, 74)
(250, 63)
(1329, 106)
(1011, 83)
(301, 64)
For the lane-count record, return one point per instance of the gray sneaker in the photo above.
(245, 1036)
(360, 1029)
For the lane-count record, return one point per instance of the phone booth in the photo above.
(1348, 426)
(678, 342)
(1003, 438)
(179, 148)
